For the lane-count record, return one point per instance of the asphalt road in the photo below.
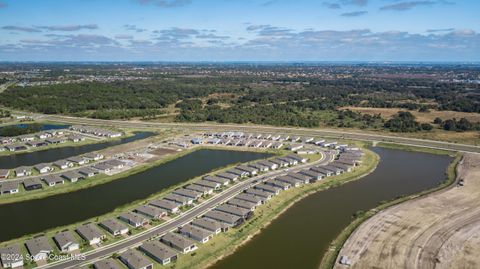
(136, 240)
(255, 128)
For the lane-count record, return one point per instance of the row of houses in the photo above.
(95, 131)
(200, 230)
(44, 168)
(35, 183)
(32, 137)
(42, 143)
(273, 137)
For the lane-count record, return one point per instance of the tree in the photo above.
(438, 120)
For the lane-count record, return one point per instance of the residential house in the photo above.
(53, 180)
(11, 256)
(90, 233)
(201, 189)
(295, 182)
(188, 193)
(23, 171)
(305, 179)
(43, 168)
(159, 252)
(208, 224)
(278, 184)
(36, 144)
(228, 176)
(32, 184)
(225, 218)
(87, 171)
(268, 188)
(114, 227)
(76, 138)
(170, 206)
(109, 263)
(196, 233)
(312, 174)
(269, 164)
(103, 167)
(77, 160)
(242, 203)
(93, 156)
(179, 199)
(223, 181)
(208, 184)
(16, 147)
(260, 193)
(151, 211)
(134, 260)
(65, 241)
(259, 167)
(250, 198)
(73, 176)
(9, 187)
(250, 170)
(63, 164)
(116, 164)
(239, 173)
(4, 173)
(178, 242)
(39, 248)
(234, 210)
(133, 219)
(297, 157)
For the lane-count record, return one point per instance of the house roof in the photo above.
(158, 250)
(150, 210)
(208, 224)
(133, 217)
(38, 245)
(177, 240)
(11, 254)
(195, 231)
(89, 231)
(164, 204)
(107, 264)
(65, 238)
(8, 186)
(113, 225)
(135, 259)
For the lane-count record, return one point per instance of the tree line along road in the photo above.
(249, 128)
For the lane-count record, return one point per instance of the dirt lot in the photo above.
(440, 230)
(427, 117)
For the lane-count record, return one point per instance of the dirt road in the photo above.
(440, 230)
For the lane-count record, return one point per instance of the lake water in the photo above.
(38, 215)
(300, 236)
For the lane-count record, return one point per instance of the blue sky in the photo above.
(239, 30)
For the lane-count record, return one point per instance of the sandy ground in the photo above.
(440, 230)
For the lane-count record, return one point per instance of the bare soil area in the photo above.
(439, 230)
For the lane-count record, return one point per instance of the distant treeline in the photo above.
(245, 99)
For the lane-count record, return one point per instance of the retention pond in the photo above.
(33, 216)
(300, 236)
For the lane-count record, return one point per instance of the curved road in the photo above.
(184, 218)
(255, 128)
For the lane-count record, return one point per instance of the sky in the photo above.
(240, 30)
